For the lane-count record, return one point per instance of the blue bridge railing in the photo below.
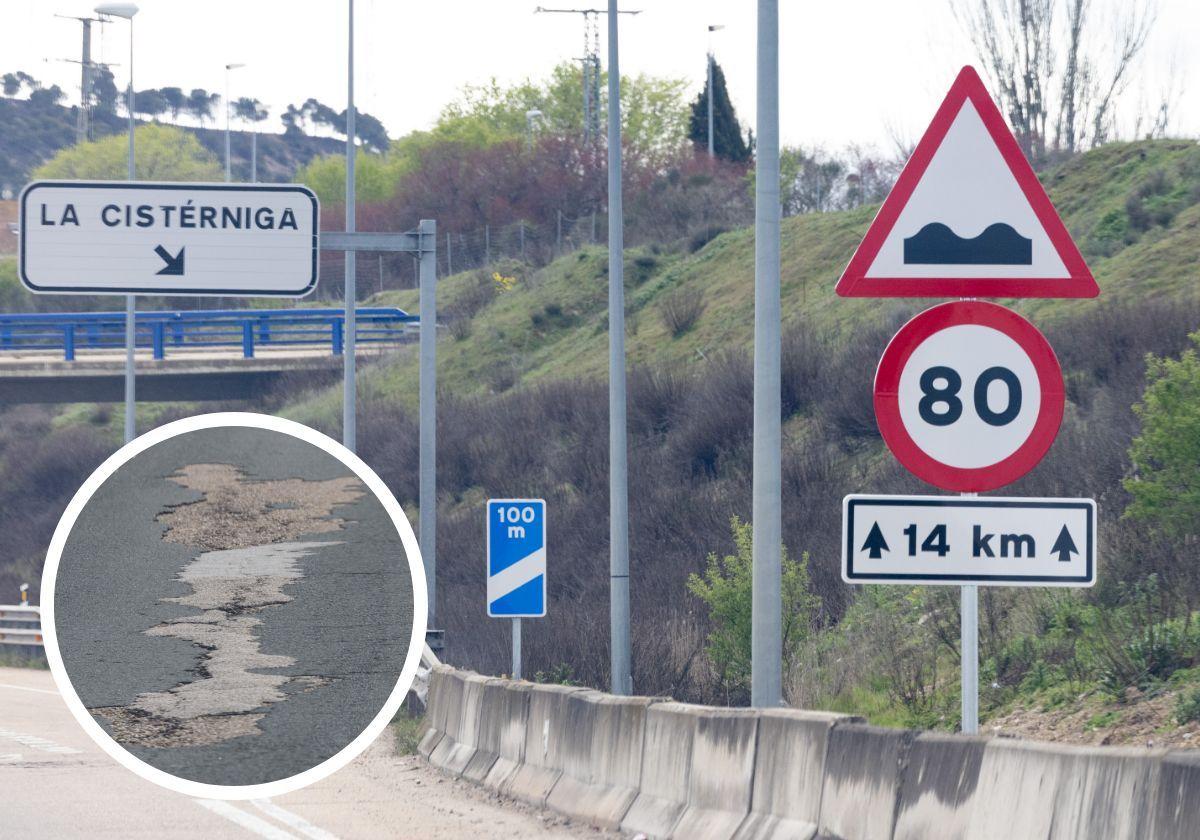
(67, 332)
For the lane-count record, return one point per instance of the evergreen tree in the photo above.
(728, 142)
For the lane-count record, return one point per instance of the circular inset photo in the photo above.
(234, 605)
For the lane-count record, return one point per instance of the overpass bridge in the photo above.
(222, 354)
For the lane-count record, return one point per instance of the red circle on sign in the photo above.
(900, 440)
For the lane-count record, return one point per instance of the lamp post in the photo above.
(127, 11)
(711, 146)
(228, 163)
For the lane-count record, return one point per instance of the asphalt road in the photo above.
(56, 784)
(233, 606)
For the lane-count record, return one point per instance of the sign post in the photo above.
(968, 395)
(516, 564)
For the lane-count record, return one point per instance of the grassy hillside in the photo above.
(1134, 209)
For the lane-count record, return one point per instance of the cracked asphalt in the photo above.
(233, 606)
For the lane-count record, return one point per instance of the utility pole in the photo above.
(618, 456)
(591, 62)
(766, 681)
(83, 121)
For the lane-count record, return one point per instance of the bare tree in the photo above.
(1073, 91)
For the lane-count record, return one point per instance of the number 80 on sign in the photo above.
(969, 396)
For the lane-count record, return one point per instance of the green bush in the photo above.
(1187, 707)
(726, 589)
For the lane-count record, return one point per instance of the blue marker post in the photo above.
(516, 564)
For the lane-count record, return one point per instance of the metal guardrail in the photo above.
(20, 635)
(166, 330)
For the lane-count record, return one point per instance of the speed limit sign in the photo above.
(969, 396)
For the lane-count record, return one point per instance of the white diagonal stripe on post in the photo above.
(521, 572)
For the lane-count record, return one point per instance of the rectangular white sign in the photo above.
(116, 237)
(962, 540)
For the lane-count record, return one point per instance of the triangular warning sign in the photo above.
(967, 217)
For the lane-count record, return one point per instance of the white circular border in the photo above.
(415, 646)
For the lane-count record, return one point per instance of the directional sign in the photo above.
(990, 541)
(969, 396)
(967, 217)
(516, 558)
(102, 237)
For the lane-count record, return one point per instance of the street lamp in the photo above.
(127, 11)
(228, 164)
(711, 146)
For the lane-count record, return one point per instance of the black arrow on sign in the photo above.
(875, 544)
(1064, 546)
(174, 265)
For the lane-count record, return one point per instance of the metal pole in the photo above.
(516, 640)
(228, 165)
(711, 147)
(254, 157)
(449, 256)
(969, 647)
(130, 300)
(766, 684)
(618, 466)
(349, 391)
(427, 397)
(83, 125)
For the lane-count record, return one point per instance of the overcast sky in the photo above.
(852, 71)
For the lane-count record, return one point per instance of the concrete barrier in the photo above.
(510, 753)
(502, 710)
(457, 748)
(1060, 792)
(667, 769)
(450, 708)
(1177, 806)
(789, 764)
(722, 775)
(940, 783)
(670, 731)
(864, 766)
(435, 710)
(602, 757)
(545, 738)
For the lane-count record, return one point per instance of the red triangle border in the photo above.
(1079, 284)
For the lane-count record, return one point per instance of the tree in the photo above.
(176, 101)
(250, 110)
(369, 130)
(726, 589)
(152, 102)
(201, 103)
(43, 98)
(104, 91)
(1165, 480)
(728, 142)
(1056, 78)
(164, 153)
(653, 112)
(12, 85)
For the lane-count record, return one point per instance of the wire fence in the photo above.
(458, 251)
